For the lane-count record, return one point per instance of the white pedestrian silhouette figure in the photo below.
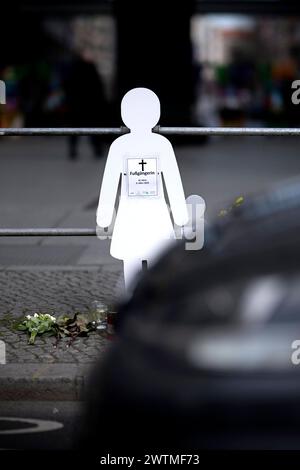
(143, 227)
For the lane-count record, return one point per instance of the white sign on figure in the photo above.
(141, 181)
(143, 227)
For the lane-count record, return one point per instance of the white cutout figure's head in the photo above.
(140, 109)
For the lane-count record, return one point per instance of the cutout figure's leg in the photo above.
(132, 267)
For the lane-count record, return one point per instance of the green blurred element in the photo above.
(236, 203)
(222, 74)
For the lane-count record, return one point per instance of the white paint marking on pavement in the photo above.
(38, 425)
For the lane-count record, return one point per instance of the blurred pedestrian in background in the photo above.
(85, 101)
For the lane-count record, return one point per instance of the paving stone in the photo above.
(56, 292)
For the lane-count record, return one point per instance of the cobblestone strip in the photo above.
(58, 292)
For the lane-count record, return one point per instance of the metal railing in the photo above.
(47, 232)
(200, 131)
(217, 131)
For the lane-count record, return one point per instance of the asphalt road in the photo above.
(47, 425)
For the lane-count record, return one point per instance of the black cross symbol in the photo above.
(143, 163)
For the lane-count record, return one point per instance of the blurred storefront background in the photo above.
(246, 65)
(212, 63)
(36, 86)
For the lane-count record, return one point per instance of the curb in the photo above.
(43, 382)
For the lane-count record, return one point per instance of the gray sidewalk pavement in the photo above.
(40, 187)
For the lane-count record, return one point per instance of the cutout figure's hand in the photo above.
(103, 233)
(194, 229)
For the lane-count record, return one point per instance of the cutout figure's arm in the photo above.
(109, 188)
(174, 186)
